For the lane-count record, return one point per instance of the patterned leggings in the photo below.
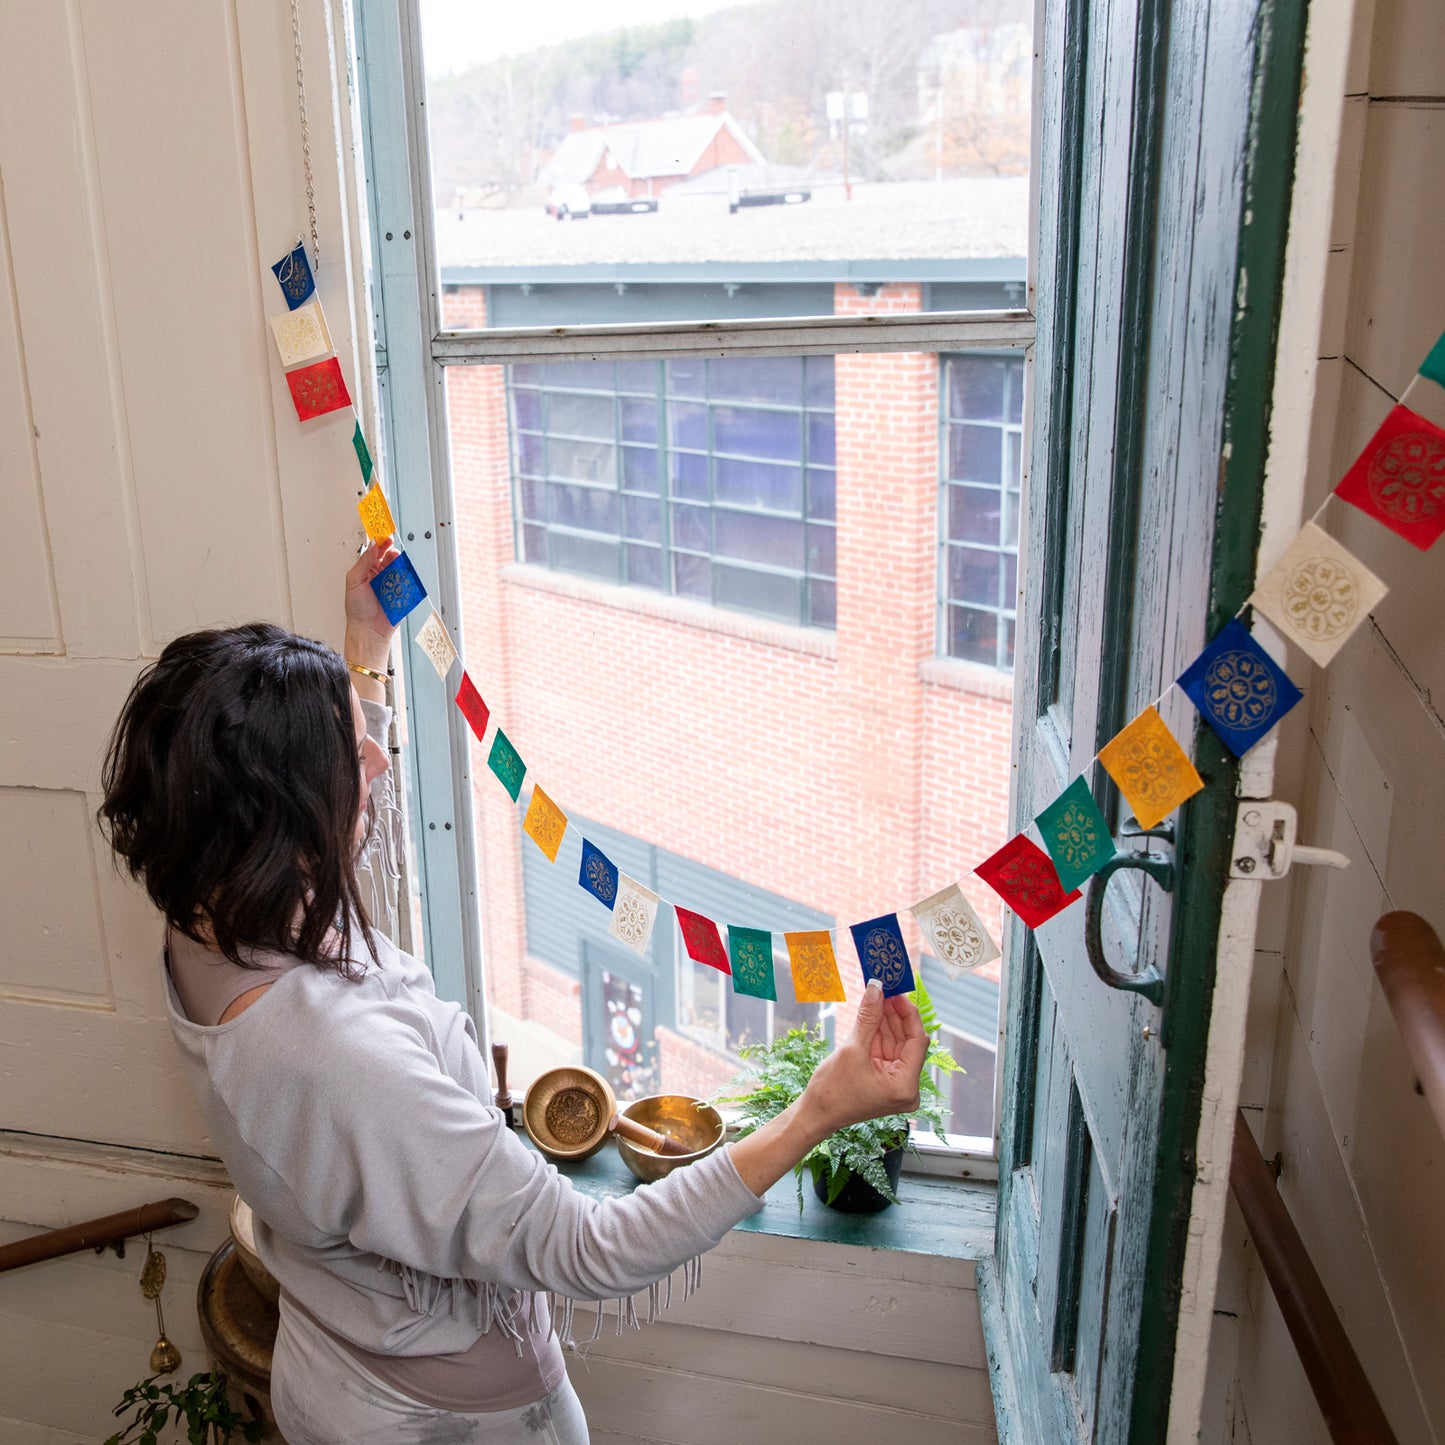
(322, 1396)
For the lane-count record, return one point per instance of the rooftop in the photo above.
(971, 219)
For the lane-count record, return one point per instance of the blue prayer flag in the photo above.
(883, 954)
(598, 874)
(398, 589)
(1240, 691)
(293, 271)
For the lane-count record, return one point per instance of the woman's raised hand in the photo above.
(368, 633)
(876, 1070)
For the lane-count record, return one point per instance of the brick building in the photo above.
(713, 605)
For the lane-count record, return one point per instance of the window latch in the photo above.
(1264, 843)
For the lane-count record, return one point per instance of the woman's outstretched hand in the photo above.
(875, 1072)
(368, 633)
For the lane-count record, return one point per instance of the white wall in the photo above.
(154, 479)
(1326, 1084)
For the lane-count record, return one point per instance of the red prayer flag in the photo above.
(1399, 479)
(704, 943)
(318, 389)
(1024, 876)
(473, 708)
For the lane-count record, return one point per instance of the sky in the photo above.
(460, 33)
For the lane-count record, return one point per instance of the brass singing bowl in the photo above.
(567, 1110)
(693, 1124)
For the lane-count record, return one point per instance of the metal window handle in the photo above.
(1149, 982)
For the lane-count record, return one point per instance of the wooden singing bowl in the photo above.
(689, 1121)
(567, 1111)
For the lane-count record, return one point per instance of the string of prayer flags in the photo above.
(1022, 874)
(954, 931)
(633, 914)
(1399, 478)
(302, 334)
(545, 824)
(701, 939)
(473, 708)
(293, 271)
(398, 588)
(434, 640)
(376, 514)
(598, 874)
(1317, 594)
(882, 954)
(815, 967)
(1239, 689)
(750, 951)
(363, 458)
(1153, 772)
(1076, 835)
(318, 389)
(505, 761)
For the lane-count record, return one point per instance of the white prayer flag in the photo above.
(954, 931)
(434, 640)
(302, 334)
(1317, 594)
(633, 914)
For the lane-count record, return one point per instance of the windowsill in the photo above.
(941, 1217)
(644, 602)
(961, 676)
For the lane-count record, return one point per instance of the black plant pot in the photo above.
(858, 1196)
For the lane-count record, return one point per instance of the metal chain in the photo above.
(305, 130)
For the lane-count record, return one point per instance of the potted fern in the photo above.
(855, 1169)
(200, 1406)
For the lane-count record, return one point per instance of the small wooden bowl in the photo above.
(692, 1123)
(567, 1110)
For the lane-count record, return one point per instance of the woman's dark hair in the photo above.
(232, 791)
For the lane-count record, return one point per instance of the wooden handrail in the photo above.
(95, 1234)
(1352, 1413)
(1410, 964)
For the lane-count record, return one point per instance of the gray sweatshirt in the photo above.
(391, 1200)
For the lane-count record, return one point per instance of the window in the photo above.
(981, 416)
(710, 1012)
(711, 479)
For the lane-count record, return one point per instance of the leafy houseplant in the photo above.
(779, 1072)
(201, 1403)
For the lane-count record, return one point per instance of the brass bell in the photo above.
(165, 1358)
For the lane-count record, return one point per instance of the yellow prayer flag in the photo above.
(815, 969)
(545, 823)
(375, 514)
(1153, 772)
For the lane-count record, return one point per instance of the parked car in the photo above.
(569, 203)
(615, 201)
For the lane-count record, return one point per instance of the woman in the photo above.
(418, 1244)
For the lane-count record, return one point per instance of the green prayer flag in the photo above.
(1433, 365)
(507, 764)
(363, 456)
(750, 951)
(1076, 835)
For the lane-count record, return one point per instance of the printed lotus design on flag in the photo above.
(884, 957)
(1239, 691)
(958, 939)
(546, 823)
(1075, 835)
(599, 876)
(1320, 598)
(1407, 477)
(318, 389)
(632, 920)
(752, 963)
(1149, 766)
(375, 514)
(1031, 880)
(814, 970)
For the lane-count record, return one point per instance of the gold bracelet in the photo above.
(381, 677)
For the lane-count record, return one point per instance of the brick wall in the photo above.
(854, 773)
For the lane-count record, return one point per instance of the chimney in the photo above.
(577, 121)
(687, 84)
(717, 102)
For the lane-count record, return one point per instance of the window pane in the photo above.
(821, 488)
(692, 576)
(687, 378)
(534, 501)
(758, 484)
(689, 476)
(527, 373)
(581, 416)
(974, 514)
(590, 508)
(757, 378)
(1010, 581)
(639, 420)
(973, 576)
(819, 375)
(582, 461)
(687, 425)
(1013, 458)
(973, 635)
(823, 604)
(644, 566)
(1011, 519)
(639, 469)
(821, 450)
(691, 528)
(582, 375)
(764, 592)
(644, 518)
(637, 376)
(529, 455)
(822, 549)
(1016, 391)
(976, 388)
(534, 544)
(753, 538)
(527, 409)
(975, 454)
(587, 555)
(746, 432)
